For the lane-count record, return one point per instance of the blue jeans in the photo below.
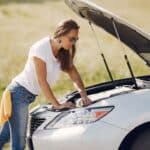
(16, 128)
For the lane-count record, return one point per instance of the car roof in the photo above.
(129, 34)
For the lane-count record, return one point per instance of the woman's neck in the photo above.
(55, 46)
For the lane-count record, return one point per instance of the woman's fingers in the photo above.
(69, 105)
(86, 101)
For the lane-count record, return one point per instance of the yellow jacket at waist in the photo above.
(5, 107)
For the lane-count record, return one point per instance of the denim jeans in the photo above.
(16, 128)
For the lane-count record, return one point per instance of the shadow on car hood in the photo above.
(131, 35)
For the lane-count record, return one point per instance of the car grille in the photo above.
(35, 123)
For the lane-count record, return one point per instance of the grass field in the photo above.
(24, 22)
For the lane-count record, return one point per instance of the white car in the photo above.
(118, 118)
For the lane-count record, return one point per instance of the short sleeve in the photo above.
(40, 53)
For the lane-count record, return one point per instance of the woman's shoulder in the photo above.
(41, 43)
(40, 49)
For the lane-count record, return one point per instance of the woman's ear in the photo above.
(59, 41)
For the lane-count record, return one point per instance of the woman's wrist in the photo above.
(83, 94)
(55, 103)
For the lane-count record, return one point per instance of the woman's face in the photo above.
(70, 39)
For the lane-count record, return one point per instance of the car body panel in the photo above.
(80, 137)
(134, 108)
(107, 133)
(102, 135)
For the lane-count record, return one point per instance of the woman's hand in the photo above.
(86, 101)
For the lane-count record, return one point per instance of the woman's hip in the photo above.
(20, 94)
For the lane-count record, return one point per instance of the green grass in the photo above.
(24, 22)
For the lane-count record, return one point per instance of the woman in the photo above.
(46, 59)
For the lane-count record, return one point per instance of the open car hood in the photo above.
(132, 36)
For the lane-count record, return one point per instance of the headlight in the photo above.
(79, 116)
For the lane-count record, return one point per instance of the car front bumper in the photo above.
(95, 136)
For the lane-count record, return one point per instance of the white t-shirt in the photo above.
(28, 78)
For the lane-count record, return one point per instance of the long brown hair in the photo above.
(64, 57)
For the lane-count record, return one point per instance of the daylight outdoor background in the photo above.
(23, 22)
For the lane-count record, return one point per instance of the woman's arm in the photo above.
(75, 77)
(40, 67)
